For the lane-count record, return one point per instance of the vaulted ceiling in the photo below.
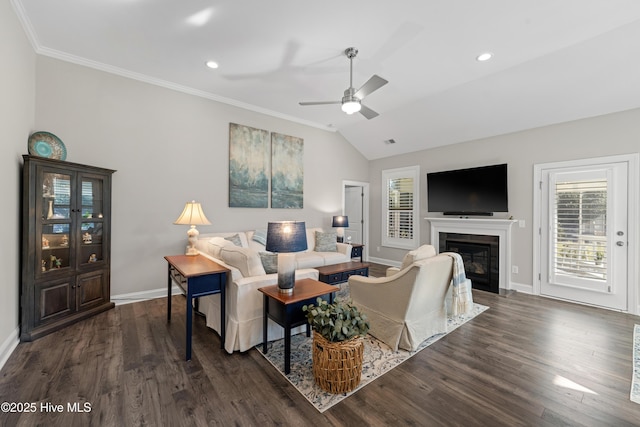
(553, 61)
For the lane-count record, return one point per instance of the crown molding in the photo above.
(63, 56)
(26, 24)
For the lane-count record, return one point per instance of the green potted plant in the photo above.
(338, 348)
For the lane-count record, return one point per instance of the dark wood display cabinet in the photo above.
(66, 225)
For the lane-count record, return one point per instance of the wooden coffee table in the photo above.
(286, 310)
(339, 273)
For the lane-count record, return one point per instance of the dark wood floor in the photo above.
(526, 361)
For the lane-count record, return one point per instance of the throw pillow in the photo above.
(269, 262)
(244, 259)
(235, 239)
(260, 236)
(326, 242)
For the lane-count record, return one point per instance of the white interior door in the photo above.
(353, 208)
(583, 234)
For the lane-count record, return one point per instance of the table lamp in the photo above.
(285, 238)
(341, 222)
(192, 215)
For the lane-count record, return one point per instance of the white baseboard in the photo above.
(144, 295)
(521, 287)
(384, 261)
(8, 346)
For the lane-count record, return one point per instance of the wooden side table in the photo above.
(286, 310)
(356, 250)
(197, 276)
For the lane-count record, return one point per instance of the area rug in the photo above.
(635, 380)
(378, 359)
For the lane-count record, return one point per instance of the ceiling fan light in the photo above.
(351, 107)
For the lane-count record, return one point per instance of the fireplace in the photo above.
(478, 240)
(480, 257)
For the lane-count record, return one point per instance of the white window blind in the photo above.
(400, 208)
(579, 229)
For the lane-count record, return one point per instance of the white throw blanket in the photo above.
(461, 298)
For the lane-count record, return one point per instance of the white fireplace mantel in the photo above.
(483, 227)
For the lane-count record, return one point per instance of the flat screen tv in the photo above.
(474, 191)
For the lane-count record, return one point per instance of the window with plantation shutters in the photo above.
(400, 208)
(579, 229)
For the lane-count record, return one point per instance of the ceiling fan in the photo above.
(351, 101)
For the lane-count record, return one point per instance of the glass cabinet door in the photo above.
(55, 232)
(92, 219)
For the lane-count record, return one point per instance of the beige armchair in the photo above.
(408, 306)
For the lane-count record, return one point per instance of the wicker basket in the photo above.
(337, 366)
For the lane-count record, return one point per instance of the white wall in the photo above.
(17, 86)
(168, 148)
(611, 134)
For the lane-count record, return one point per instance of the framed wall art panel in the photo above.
(287, 171)
(248, 167)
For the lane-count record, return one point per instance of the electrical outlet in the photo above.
(514, 269)
(377, 248)
(521, 223)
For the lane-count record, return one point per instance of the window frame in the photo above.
(412, 172)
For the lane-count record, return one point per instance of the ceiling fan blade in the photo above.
(373, 84)
(368, 112)
(320, 103)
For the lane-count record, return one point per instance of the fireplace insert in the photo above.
(480, 261)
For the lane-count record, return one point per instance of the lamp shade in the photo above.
(340, 221)
(286, 236)
(192, 215)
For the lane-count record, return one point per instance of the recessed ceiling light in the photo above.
(484, 56)
(201, 18)
(212, 64)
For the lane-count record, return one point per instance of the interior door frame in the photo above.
(633, 208)
(365, 211)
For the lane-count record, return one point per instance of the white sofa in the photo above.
(244, 304)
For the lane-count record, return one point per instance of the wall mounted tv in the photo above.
(475, 191)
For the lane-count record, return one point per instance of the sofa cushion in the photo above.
(326, 242)
(269, 262)
(309, 260)
(216, 244)
(260, 236)
(235, 239)
(424, 251)
(253, 243)
(333, 257)
(244, 259)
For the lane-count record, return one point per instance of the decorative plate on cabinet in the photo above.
(46, 144)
